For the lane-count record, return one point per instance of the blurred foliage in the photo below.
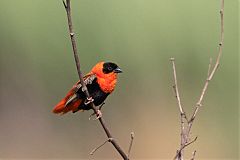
(37, 68)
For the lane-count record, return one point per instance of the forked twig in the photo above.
(185, 131)
(211, 73)
(95, 149)
(184, 146)
(67, 7)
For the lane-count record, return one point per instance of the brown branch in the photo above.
(67, 6)
(95, 149)
(185, 132)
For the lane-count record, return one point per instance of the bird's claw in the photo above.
(89, 100)
(98, 115)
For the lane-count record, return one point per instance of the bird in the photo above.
(100, 82)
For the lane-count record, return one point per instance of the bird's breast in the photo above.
(107, 83)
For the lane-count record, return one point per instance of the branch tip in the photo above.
(193, 155)
(130, 145)
(132, 135)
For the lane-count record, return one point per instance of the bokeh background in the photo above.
(37, 69)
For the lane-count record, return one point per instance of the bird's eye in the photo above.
(110, 68)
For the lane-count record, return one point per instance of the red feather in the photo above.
(61, 108)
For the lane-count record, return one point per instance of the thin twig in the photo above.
(182, 112)
(210, 76)
(184, 146)
(193, 155)
(175, 87)
(84, 88)
(211, 73)
(130, 145)
(95, 149)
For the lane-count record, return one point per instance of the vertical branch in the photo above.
(211, 73)
(182, 112)
(67, 6)
(130, 145)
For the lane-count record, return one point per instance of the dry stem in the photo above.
(182, 112)
(130, 145)
(84, 88)
(185, 131)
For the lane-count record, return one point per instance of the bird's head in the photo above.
(106, 73)
(109, 67)
(106, 68)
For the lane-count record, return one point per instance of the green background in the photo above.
(37, 69)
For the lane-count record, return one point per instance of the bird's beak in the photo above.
(117, 70)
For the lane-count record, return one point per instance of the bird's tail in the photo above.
(65, 106)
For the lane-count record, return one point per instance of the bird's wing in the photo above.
(71, 102)
(88, 79)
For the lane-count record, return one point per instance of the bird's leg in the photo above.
(88, 100)
(99, 113)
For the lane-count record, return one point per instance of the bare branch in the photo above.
(182, 112)
(175, 87)
(95, 149)
(210, 76)
(130, 145)
(67, 6)
(185, 132)
(178, 154)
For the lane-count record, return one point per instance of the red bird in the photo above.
(100, 81)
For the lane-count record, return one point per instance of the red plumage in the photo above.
(100, 82)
